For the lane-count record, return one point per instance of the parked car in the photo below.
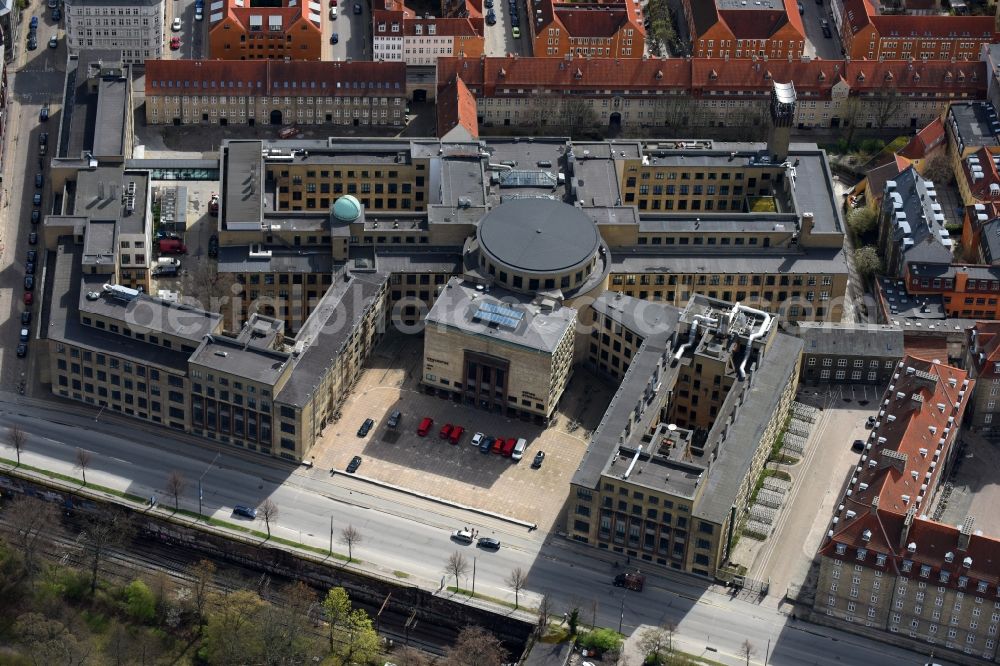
(858, 446)
(366, 427)
(36, 199)
(25, 317)
(172, 246)
(32, 255)
(245, 511)
(462, 536)
(489, 543)
(29, 282)
(539, 459)
(333, 13)
(333, 3)
(456, 434)
(32, 42)
(43, 138)
(199, 14)
(213, 208)
(425, 426)
(33, 238)
(487, 444)
(28, 298)
(33, 23)
(39, 181)
(870, 422)
(491, 18)
(25, 335)
(176, 25)
(353, 466)
(393, 419)
(43, 115)
(477, 439)
(175, 43)
(56, 14)
(357, 7)
(488, 4)
(498, 445)
(36, 216)
(53, 42)
(445, 431)
(824, 25)
(802, 10)
(29, 268)
(334, 38)
(22, 350)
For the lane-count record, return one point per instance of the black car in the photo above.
(245, 511)
(29, 268)
(394, 418)
(858, 446)
(366, 427)
(353, 466)
(487, 444)
(29, 282)
(32, 43)
(488, 4)
(56, 14)
(870, 422)
(539, 458)
(43, 115)
(33, 238)
(357, 7)
(22, 350)
(32, 255)
(515, 22)
(36, 199)
(491, 18)
(489, 543)
(43, 138)
(825, 27)
(36, 216)
(26, 318)
(334, 38)
(39, 181)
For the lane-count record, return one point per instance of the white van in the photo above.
(519, 448)
(168, 261)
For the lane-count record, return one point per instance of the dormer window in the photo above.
(963, 581)
(945, 576)
(841, 549)
(862, 553)
(713, 75)
(880, 560)
(925, 571)
(981, 587)
(907, 565)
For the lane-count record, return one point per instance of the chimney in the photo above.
(874, 507)
(782, 116)
(907, 524)
(965, 533)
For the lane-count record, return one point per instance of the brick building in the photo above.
(401, 35)
(606, 29)
(276, 92)
(983, 362)
(866, 34)
(265, 31)
(738, 29)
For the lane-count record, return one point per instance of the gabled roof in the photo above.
(857, 14)
(294, 78)
(911, 25)
(984, 182)
(930, 76)
(983, 341)
(485, 74)
(925, 141)
(457, 108)
(289, 14)
(586, 19)
(745, 21)
(816, 76)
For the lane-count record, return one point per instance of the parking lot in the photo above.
(499, 39)
(458, 473)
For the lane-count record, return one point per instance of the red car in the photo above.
(497, 445)
(445, 431)
(425, 426)
(508, 447)
(175, 43)
(333, 3)
(456, 434)
(28, 298)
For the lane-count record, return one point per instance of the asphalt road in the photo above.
(405, 533)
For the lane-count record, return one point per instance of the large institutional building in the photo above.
(135, 27)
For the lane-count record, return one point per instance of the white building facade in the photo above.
(136, 27)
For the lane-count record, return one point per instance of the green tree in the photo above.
(285, 634)
(861, 221)
(337, 607)
(361, 642)
(140, 604)
(49, 641)
(573, 621)
(603, 640)
(231, 635)
(866, 261)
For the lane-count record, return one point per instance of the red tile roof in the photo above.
(816, 76)
(290, 14)
(879, 515)
(746, 22)
(457, 106)
(586, 19)
(981, 187)
(909, 25)
(930, 76)
(267, 77)
(857, 14)
(926, 140)
(984, 348)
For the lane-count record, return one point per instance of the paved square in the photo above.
(460, 473)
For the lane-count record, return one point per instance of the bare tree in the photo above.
(17, 439)
(517, 581)
(214, 289)
(656, 643)
(350, 536)
(409, 656)
(456, 566)
(30, 519)
(202, 576)
(83, 458)
(268, 512)
(544, 611)
(176, 483)
(747, 650)
(475, 645)
(101, 535)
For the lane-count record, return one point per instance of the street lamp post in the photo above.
(200, 494)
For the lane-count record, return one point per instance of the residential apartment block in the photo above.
(866, 34)
(702, 92)
(360, 94)
(911, 225)
(401, 35)
(838, 353)
(133, 27)
(884, 564)
(285, 29)
(671, 468)
(606, 29)
(983, 362)
(735, 29)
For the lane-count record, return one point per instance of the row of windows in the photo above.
(858, 363)
(755, 280)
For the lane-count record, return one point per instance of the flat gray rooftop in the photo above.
(975, 123)
(243, 186)
(459, 179)
(462, 307)
(99, 243)
(595, 182)
(253, 363)
(99, 193)
(237, 259)
(850, 339)
(109, 133)
(816, 260)
(538, 235)
(64, 325)
(133, 216)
